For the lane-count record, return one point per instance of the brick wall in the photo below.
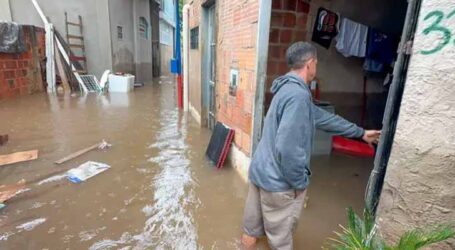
(236, 30)
(288, 25)
(20, 73)
(236, 39)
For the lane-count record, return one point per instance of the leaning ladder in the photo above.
(76, 42)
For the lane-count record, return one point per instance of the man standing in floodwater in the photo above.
(280, 169)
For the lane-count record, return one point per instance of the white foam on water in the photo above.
(67, 238)
(37, 205)
(5, 236)
(90, 234)
(107, 244)
(29, 226)
(147, 210)
(52, 179)
(23, 191)
(169, 223)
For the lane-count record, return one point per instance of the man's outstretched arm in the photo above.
(337, 125)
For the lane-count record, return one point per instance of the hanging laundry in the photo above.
(381, 47)
(352, 39)
(381, 51)
(325, 27)
(371, 65)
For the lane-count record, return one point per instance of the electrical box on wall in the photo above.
(234, 81)
(175, 66)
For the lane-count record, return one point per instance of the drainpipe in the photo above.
(177, 57)
(185, 13)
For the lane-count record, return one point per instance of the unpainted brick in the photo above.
(274, 36)
(276, 19)
(246, 142)
(285, 36)
(11, 83)
(303, 6)
(302, 21)
(10, 64)
(289, 19)
(277, 4)
(9, 74)
(290, 5)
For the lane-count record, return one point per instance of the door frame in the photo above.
(207, 62)
(262, 52)
(376, 180)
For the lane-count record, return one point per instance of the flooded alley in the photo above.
(160, 192)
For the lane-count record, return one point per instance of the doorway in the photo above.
(392, 108)
(155, 24)
(371, 100)
(209, 64)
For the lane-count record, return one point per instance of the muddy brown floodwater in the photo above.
(161, 193)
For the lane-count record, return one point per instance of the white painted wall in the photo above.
(143, 42)
(104, 33)
(121, 13)
(94, 18)
(5, 11)
(167, 30)
(419, 185)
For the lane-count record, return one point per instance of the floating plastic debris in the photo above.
(86, 171)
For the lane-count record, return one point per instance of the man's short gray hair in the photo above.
(299, 53)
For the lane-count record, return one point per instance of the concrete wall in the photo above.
(5, 11)
(419, 184)
(167, 30)
(121, 13)
(168, 11)
(97, 42)
(104, 36)
(143, 42)
(166, 54)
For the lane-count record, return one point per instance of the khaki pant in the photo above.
(274, 214)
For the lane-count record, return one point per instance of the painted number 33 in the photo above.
(438, 28)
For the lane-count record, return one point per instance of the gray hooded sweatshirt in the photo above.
(282, 158)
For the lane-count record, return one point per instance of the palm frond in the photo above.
(361, 234)
(419, 238)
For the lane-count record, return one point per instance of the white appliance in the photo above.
(121, 83)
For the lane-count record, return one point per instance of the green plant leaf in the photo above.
(361, 235)
(419, 238)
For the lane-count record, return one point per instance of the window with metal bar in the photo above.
(194, 38)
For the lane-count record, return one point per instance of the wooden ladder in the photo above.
(76, 42)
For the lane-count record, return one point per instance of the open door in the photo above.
(392, 110)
